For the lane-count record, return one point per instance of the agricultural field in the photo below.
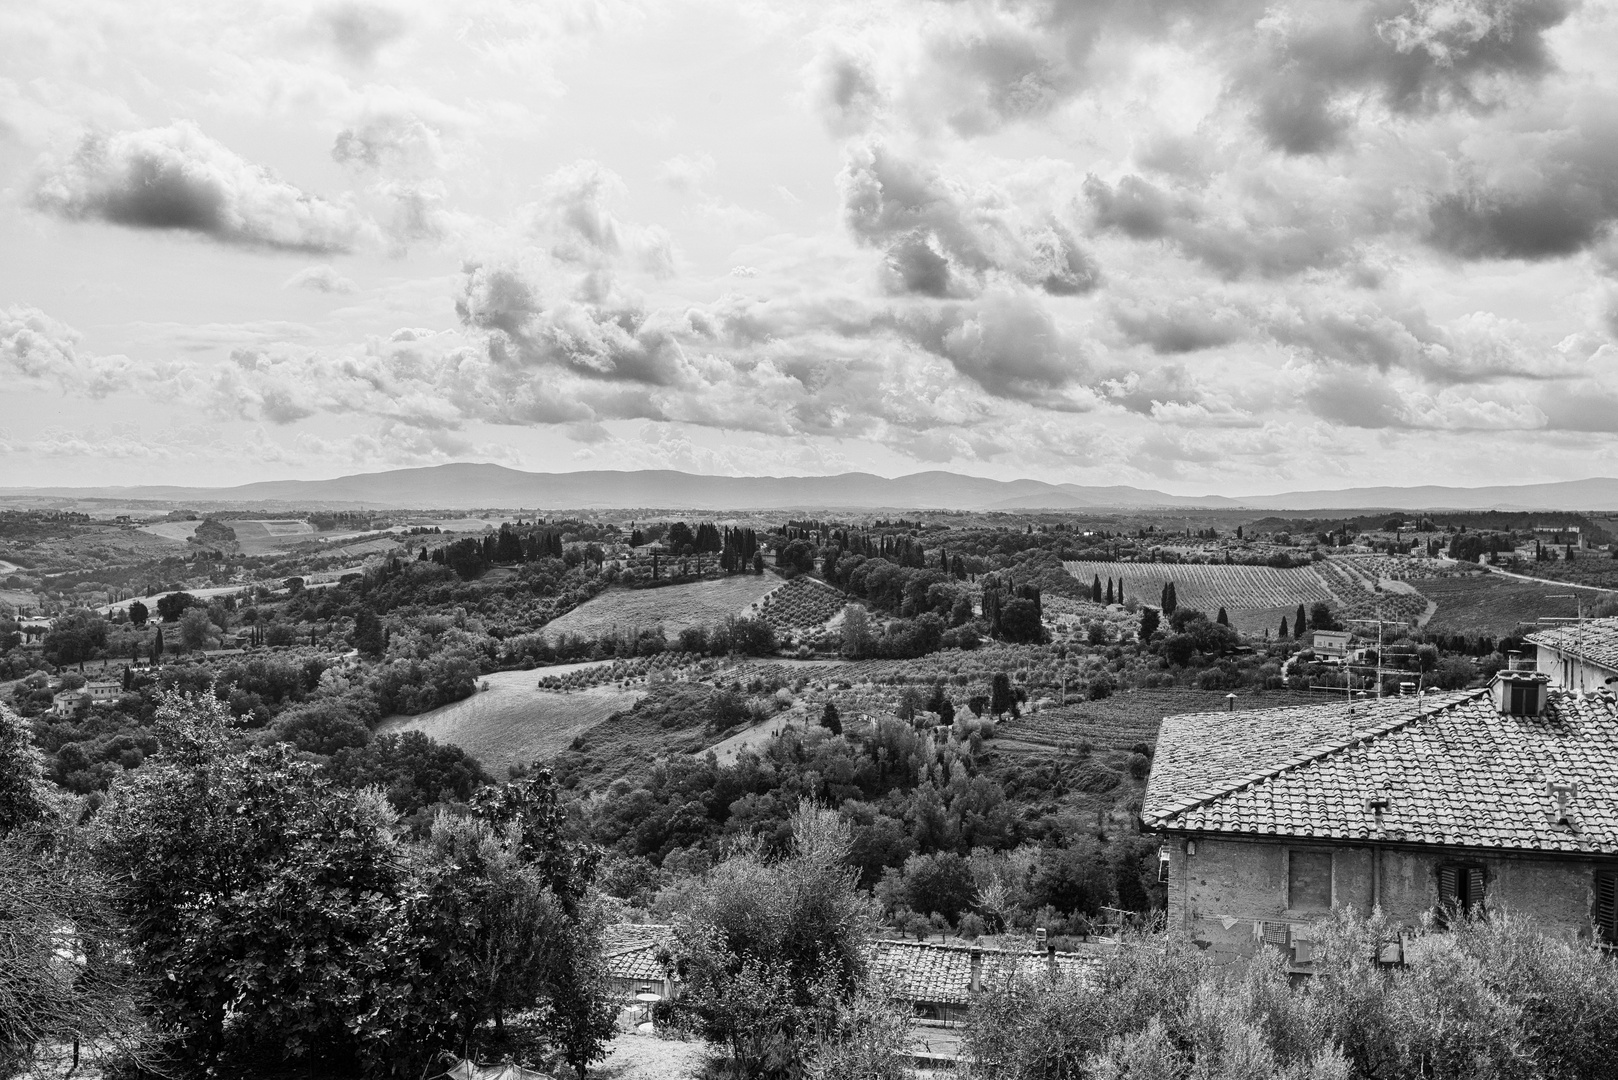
(172, 530)
(1494, 604)
(674, 607)
(1254, 597)
(513, 722)
(1125, 720)
(801, 604)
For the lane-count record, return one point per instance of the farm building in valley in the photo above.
(1580, 655)
(97, 693)
(1493, 799)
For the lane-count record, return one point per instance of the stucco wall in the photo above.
(1569, 672)
(1217, 894)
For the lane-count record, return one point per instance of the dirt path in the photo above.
(1548, 581)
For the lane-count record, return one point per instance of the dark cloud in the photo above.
(1567, 203)
(1312, 64)
(1355, 401)
(176, 178)
(359, 31)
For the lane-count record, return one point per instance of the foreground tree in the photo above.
(281, 919)
(772, 952)
(64, 978)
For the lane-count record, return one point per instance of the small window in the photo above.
(1607, 906)
(1309, 880)
(1461, 886)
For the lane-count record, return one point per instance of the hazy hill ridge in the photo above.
(468, 484)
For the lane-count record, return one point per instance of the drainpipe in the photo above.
(1376, 877)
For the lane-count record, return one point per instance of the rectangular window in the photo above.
(1607, 906)
(1309, 880)
(1461, 885)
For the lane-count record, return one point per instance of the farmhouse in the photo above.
(97, 693)
(1501, 798)
(1580, 656)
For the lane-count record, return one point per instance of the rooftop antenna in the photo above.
(1578, 621)
(1379, 622)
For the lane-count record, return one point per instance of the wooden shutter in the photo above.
(1448, 885)
(1607, 906)
(1474, 888)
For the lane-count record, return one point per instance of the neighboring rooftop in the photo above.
(1448, 769)
(1595, 641)
(942, 974)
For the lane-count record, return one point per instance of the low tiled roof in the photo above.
(618, 937)
(1595, 641)
(1454, 771)
(640, 963)
(942, 974)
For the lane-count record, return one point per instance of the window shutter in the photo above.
(1474, 887)
(1448, 885)
(1607, 906)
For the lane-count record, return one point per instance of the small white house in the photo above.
(1580, 655)
(1332, 644)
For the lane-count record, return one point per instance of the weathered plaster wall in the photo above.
(1217, 894)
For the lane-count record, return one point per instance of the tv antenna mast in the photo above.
(1578, 621)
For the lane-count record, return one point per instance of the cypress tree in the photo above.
(1222, 619)
(1109, 592)
(1095, 589)
(1283, 632)
(1300, 622)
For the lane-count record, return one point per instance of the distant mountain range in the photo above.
(470, 485)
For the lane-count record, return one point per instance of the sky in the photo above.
(1205, 246)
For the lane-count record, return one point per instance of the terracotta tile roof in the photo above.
(942, 974)
(1595, 641)
(618, 937)
(1454, 771)
(638, 963)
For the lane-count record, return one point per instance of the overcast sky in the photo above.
(1206, 246)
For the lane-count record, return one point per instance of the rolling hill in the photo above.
(465, 485)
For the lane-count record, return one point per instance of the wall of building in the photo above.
(1568, 672)
(1218, 894)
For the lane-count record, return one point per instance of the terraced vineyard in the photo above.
(1254, 597)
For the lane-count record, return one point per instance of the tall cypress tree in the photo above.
(1095, 589)
(1300, 622)
(1109, 592)
(1283, 632)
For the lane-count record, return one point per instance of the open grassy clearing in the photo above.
(172, 530)
(1494, 604)
(674, 607)
(512, 723)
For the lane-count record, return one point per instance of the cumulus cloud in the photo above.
(176, 178)
(319, 279)
(37, 349)
(392, 140)
(575, 216)
(943, 238)
(1007, 343)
